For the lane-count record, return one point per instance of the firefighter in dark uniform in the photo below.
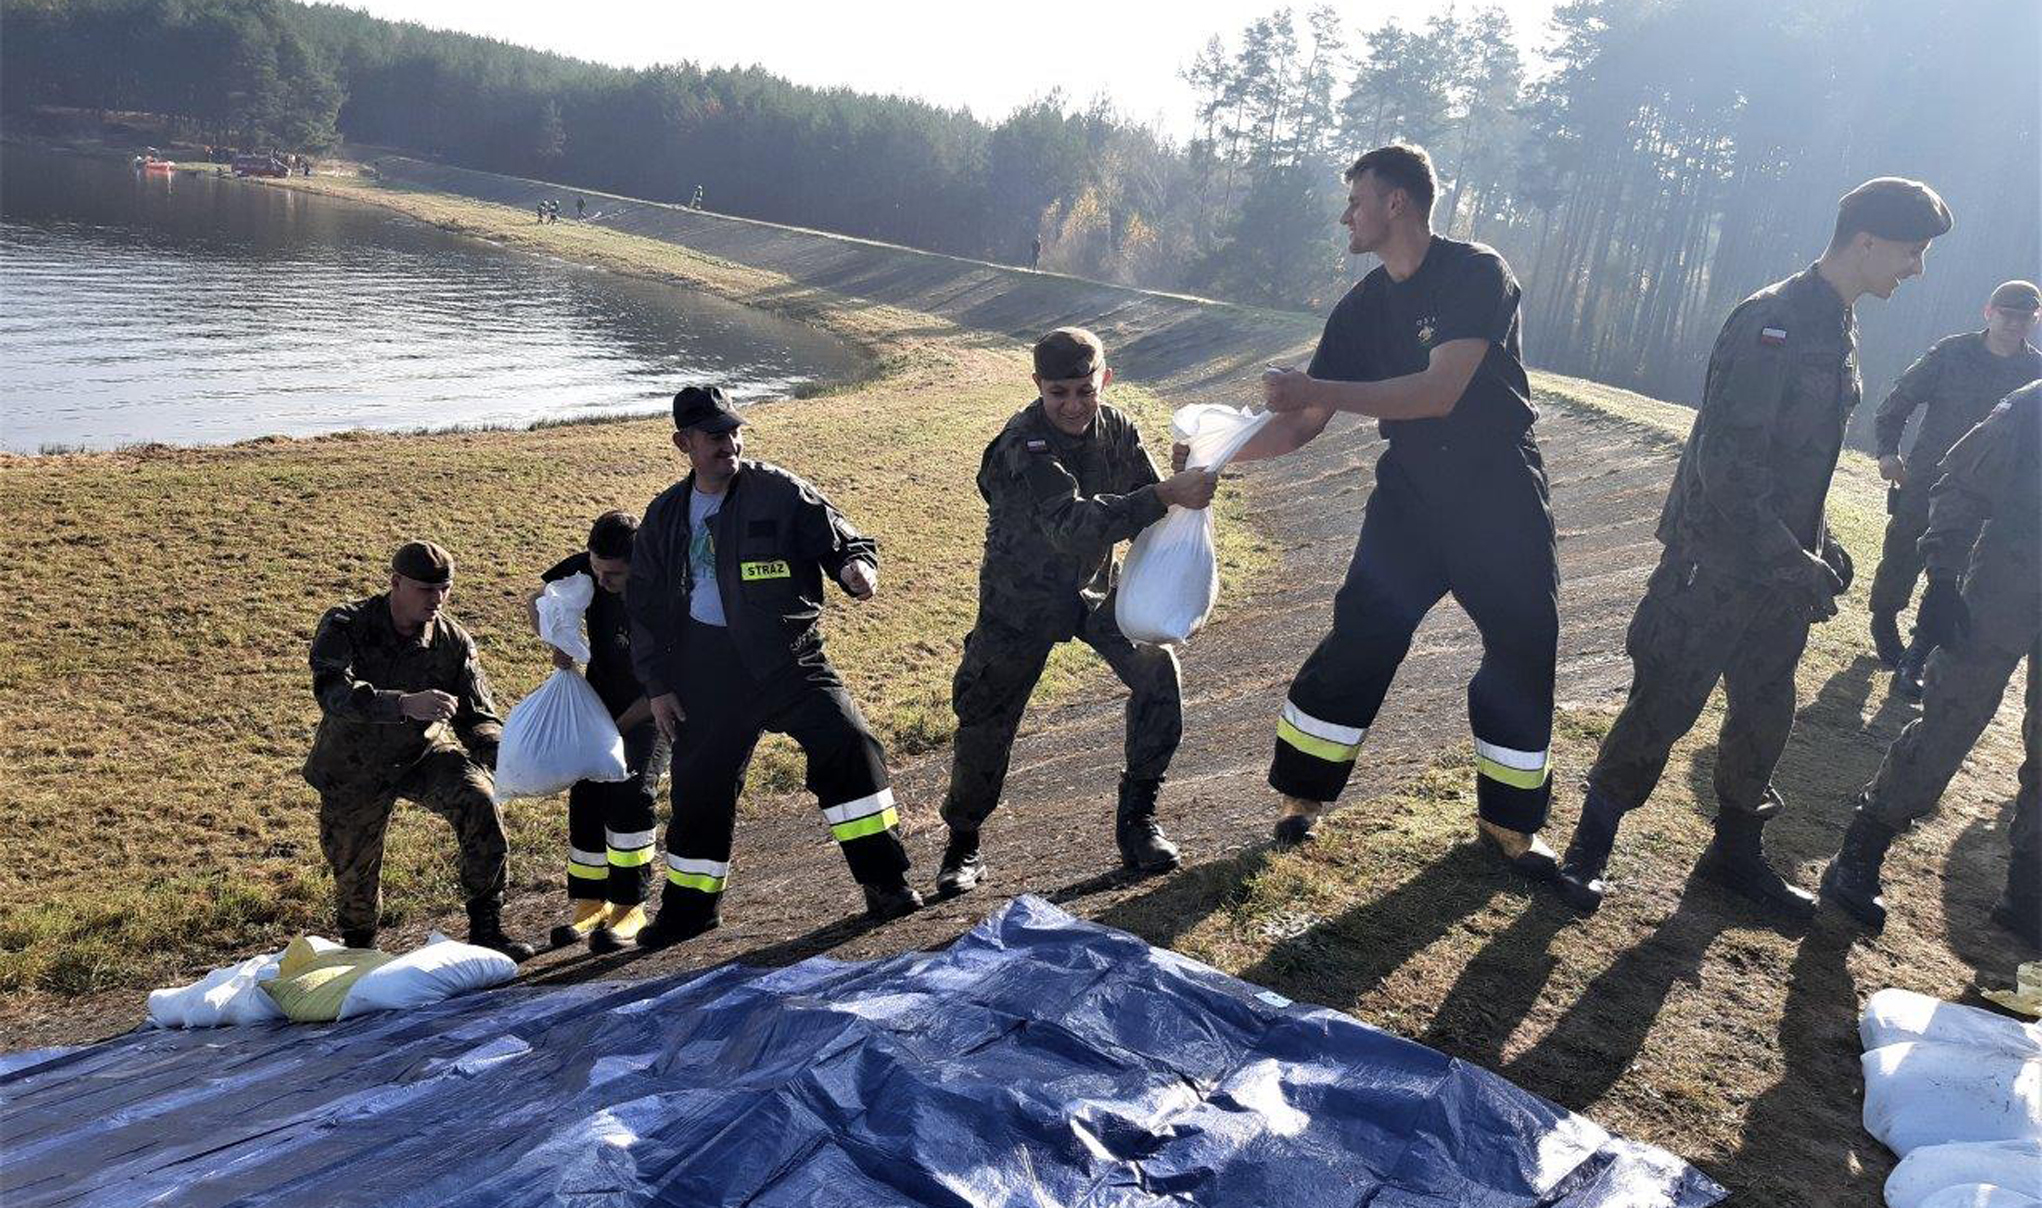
(1982, 614)
(1428, 343)
(611, 826)
(404, 711)
(724, 596)
(1063, 481)
(1749, 562)
(1953, 384)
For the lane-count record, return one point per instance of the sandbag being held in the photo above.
(562, 732)
(1171, 579)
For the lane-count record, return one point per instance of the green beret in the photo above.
(1068, 352)
(1892, 207)
(2017, 295)
(423, 561)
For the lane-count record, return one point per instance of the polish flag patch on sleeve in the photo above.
(1772, 336)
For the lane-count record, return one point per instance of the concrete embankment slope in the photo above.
(1157, 337)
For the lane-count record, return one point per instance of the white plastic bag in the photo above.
(440, 969)
(1928, 1093)
(1893, 1016)
(231, 995)
(561, 606)
(1931, 1169)
(1171, 579)
(559, 734)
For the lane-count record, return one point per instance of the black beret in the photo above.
(1892, 207)
(423, 561)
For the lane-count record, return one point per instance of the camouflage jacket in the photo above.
(1055, 507)
(1748, 496)
(1957, 381)
(1988, 503)
(361, 665)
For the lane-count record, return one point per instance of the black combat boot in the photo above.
(1907, 676)
(1579, 879)
(681, 918)
(485, 930)
(358, 937)
(962, 866)
(884, 903)
(2019, 908)
(1852, 879)
(1736, 860)
(1143, 846)
(1299, 824)
(1886, 641)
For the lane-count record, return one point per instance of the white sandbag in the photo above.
(1980, 1195)
(1171, 578)
(559, 734)
(561, 606)
(230, 995)
(1927, 1093)
(1932, 1168)
(1895, 1016)
(440, 969)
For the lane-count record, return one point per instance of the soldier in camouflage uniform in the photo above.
(1064, 480)
(1982, 613)
(1749, 561)
(1954, 384)
(405, 712)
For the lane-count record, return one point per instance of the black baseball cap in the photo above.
(2017, 295)
(704, 409)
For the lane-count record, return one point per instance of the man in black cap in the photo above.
(1749, 561)
(724, 593)
(1954, 384)
(1064, 481)
(405, 711)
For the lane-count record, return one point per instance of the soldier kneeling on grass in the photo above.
(406, 712)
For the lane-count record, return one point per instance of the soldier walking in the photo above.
(1064, 481)
(724, 593)
(1749, 561)
(405, 712)
(1981, 614)
(1954, 384)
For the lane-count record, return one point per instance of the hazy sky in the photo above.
(987, 58)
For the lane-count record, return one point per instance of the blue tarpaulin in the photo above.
(1039, 1060)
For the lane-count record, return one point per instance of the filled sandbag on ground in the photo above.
(1895, 1016)
(440, 969)
(1978, 1195)
(1931, 1169)
(1928, 1093)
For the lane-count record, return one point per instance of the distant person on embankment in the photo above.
(1428, 344)
(1981, 615)
(1954, 385)
(405, 711)
(1749, 561)
(610, 825)
(1065, 480)
(725, 592)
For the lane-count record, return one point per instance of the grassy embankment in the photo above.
(154, 706)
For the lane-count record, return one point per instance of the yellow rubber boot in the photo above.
(1299, 818)
(616, 935)
(589, 914)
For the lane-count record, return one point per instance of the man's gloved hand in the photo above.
(1814, 584)
(1838, 559)
(1943, 619)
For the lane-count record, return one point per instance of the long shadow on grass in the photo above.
(1499, 985)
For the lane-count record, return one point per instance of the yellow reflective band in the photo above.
(870, 824)
(630, 859)
(753, 571)
(1318, 748)
(695, 880)
(1517, 778)
(588, 872)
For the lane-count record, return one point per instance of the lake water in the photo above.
(193, 310)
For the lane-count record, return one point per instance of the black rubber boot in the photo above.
(485, 930)
(358, 937)
(1736, 861)
(2019, 908)
(1579, 880)
(681, 919)
(962, 866)
(1886, 641)
(1143, 846)
(884, 903)
(1852, 879)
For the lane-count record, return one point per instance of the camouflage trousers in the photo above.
(990, 693)
(447, 782)
(1900, 564)
(1960, 693)
(1693, 628)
